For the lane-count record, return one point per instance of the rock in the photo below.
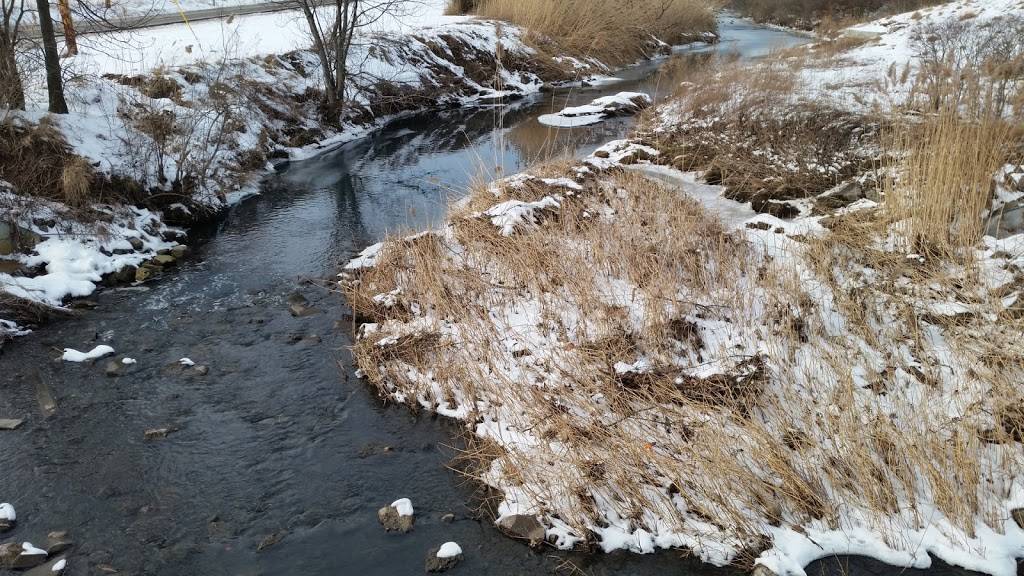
(444, 557)
(57, 542)
(14, 238)
(158, 433)
(448, 518)
(201, 370)
(393, 521)
(15, 556)
(763, 204)
(299, 306)
(270, 540)
(114, 368)
(51, 568)
(8, 519)
(10, 423)
(1018, 516)
(179, 251)
(165, 260)
(136, 243)
(524, 527)
(142, 274)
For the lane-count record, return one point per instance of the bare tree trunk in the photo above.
(54, 83)
(330, 87)
(12, 93)
(70, 40)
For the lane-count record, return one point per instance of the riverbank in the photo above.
(187, 138)
(799, 347)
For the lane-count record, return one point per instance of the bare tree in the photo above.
(333, 27)
(12, 93)
(54, 82)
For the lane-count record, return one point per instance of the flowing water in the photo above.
(279, 444)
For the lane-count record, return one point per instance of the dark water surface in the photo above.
(279, 442)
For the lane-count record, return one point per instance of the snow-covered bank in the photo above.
(766, 381)
(644, 375)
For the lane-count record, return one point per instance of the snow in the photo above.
(128, 361)
(29, 550)
(515, 214)
(186, 362)
(598, 110)
(78, 256)
(59, 565)
(7, 512)
(403, 506)
(449, 550)
(72, 355)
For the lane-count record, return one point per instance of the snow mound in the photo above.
(403, 506)
(621, 104)
(449, 550)
(72, 355)
(7, 512)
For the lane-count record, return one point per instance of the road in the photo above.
(153, 20)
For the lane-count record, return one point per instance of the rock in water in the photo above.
(20, 557)
(113, 368)
(52, 568)
(10, 423)
(57, 542)
(524, 527)
(398, 517)
(444, 557)
(8, 518)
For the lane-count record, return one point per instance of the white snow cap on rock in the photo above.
(72, 355)
(598, 110)
(449, 550)
(127, 361)
(59, 566)
(186, 362)
(404, 506)
(29, 549)
(7, 512)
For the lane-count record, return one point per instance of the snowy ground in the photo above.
(881, 71)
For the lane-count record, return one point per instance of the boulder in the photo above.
(114, 368)
(396, 517)
(15, 556)
(443, 557)
(179, 251)
(142, 274)
(165, 260)
(524, 527)
(57, 542)
(137, 244)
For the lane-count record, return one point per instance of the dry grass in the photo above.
(600, 28)
(941, 182)
(755, 409)
(746, 127)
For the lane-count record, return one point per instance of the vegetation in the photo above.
(595, 28)
(810, 14)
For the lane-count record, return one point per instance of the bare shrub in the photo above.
(963, 65)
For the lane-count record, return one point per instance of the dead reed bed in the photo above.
(645, 377)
